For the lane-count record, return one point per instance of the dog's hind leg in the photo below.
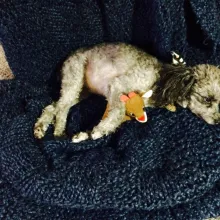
(44, 120)
(73, 72)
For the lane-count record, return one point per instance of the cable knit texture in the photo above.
(168, 168)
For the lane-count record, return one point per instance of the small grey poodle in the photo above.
(113, 69)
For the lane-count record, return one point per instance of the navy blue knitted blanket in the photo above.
(168, 168)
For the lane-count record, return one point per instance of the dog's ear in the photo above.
(174, 85)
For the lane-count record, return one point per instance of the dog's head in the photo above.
(197, 88)
(204, 98)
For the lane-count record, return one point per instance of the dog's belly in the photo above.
(103, 66)
(123, 67)
(100, 75)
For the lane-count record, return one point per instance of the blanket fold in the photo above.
(168, 168)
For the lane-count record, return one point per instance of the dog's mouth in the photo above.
(143, 118)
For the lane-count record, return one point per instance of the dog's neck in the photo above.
(173, 85)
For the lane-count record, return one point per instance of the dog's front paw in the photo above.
(96, 135)
(82, 136)
(39, 130)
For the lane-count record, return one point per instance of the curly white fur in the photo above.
(106, 69)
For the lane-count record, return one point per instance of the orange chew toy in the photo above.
(134, 105)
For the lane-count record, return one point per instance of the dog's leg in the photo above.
(108, 125)
(116, 111)
(72, 84)
(111, 119)
(105, 115)
(44, 120)
(111, 122)
(115, 116)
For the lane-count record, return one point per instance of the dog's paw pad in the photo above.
(39, 131)
(82, 136)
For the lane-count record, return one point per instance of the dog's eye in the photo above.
(208, 100)
(132, 114)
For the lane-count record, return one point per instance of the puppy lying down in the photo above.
(114, 69)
